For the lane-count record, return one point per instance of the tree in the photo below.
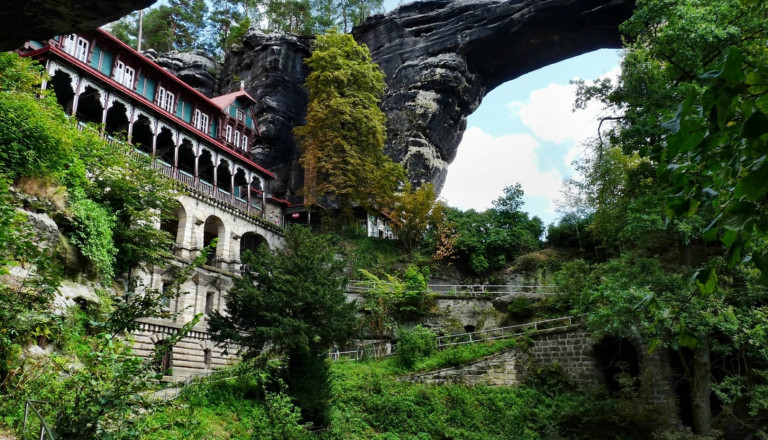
(188, 21)
(293, 300)
(486, 241)
(342, 142)
(705, 163)
(414, 212)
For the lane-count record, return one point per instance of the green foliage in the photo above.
(414, 212)
(413, 345)
(392, 301)
(293, 299)
(460, 354)
(488, 240)
(93, 226)
(342, 142)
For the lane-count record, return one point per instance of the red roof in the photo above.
(224, 101)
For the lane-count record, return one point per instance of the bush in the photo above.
(413, 345)
(520, 309)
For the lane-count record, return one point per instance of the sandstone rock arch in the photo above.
(440, 58)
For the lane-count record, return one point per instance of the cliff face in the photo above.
(22, 20)
(272, 68)
(440, 58)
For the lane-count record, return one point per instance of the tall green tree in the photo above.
(188, 22)
(705, 163)
(343, 140)
(291, 301)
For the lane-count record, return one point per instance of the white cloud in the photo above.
(485, 164)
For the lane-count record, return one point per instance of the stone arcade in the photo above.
(205, 144)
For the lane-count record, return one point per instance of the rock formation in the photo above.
(198, 69)
(22, 20)
(441, 57)
(272, 67)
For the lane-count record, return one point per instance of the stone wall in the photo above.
(571, 349)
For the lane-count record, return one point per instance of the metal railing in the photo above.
(507, 332)
(469, 290)
(45, 431)
(378, 350)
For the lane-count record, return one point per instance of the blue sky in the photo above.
(525, 131)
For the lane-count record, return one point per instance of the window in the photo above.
(165, 99)
(119, 71)
(128, 77)
(124, 74)
(240, 115)
(200, 121)
(207, 358)
(82, 49)
(209, 303)
(237, 139)
(165, 300)
(70, 43)
(228, 134)
(244, 143)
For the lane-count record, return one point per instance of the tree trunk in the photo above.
(700, 391)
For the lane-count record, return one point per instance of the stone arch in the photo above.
(117, 119)
(143, 135)
(89, 107)
(250, 241)
(61, 82)
(618, 361)
(214, 228)
(174, 222)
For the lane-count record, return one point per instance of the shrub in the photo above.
(413, 345)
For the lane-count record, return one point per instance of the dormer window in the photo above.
(200, 120)
(228, 133)
(240, 115)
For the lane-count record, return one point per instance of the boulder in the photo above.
(22, 20)
(197, 69)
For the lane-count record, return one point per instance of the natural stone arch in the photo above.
(61, 82)
(439, 57)
(89, 106)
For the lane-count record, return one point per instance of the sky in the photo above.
(526, 131)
